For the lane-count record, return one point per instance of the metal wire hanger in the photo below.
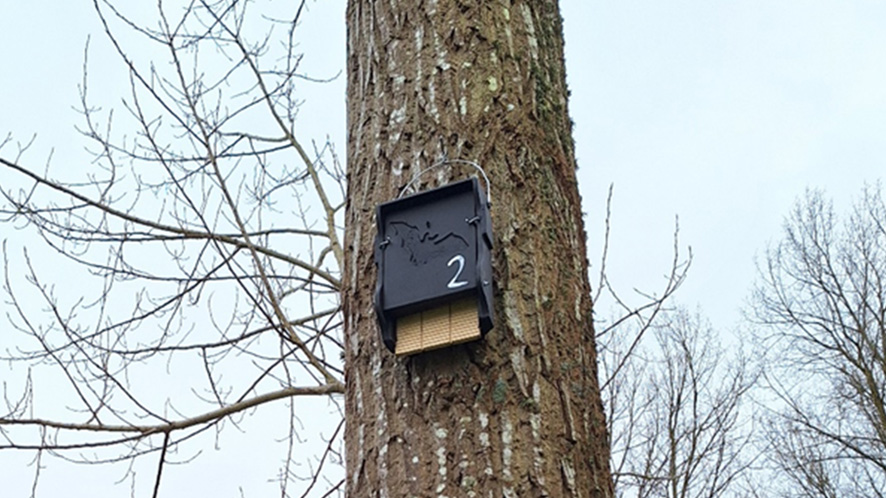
(445, 161)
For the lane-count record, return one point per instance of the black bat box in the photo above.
(433, 249)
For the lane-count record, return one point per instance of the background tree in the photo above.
(518, 414)
(677, 401)
(822, 298)
(678, 409)
(202, 249)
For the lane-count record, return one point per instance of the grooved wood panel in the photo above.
(453, 323)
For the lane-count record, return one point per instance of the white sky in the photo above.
(719, 112)
(722, 113)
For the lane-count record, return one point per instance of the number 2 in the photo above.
(455, 283)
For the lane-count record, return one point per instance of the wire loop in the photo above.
(451, 161)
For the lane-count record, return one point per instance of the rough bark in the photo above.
(518, 413)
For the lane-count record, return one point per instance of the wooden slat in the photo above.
(451, 324)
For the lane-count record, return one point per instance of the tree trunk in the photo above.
(519, 412)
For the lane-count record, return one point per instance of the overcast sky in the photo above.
(721, 113)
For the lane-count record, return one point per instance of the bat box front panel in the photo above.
(429, 248)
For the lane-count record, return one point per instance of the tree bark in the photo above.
(519, 412)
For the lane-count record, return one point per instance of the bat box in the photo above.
(433, 252)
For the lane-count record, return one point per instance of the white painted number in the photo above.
(455, 283)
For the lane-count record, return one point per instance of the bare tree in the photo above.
(822, 299)
(676, 400)
(201, 252)
(679, 411)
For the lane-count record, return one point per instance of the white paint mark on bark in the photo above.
(441, 461)
(493, 84)
(419, 77)
(567, 407)
(530, 31)
(416, 162)
(432, 100)
(375, 365)
(441, 52)
(398, 115)
(568, 475)
(513, 315)
(440, 433)
(358, 392)
(419, 34)
(510, 36)
(578, 307)
(518, 363)
(484, 441)
(507, 452)
(538, 461)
